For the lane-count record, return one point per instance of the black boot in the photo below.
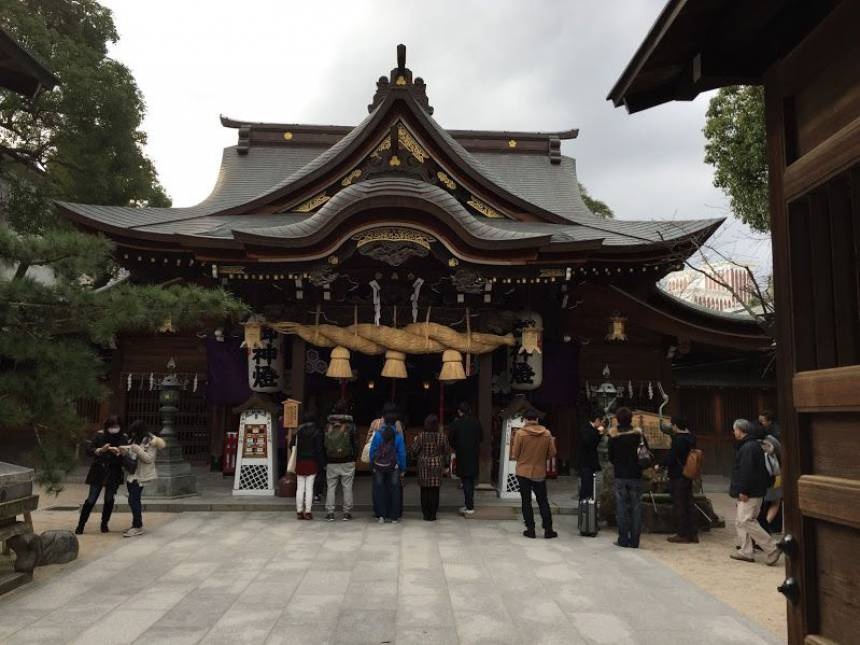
(86, 509)
(107, 510)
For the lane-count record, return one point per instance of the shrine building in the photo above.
(413, 247)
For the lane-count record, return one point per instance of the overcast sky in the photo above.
(496, 64)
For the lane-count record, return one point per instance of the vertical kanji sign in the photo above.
(266, 362)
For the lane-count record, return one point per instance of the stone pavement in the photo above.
(264, 577)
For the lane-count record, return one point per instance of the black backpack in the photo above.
(385, 459)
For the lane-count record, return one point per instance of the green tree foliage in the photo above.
(736, 147)
(61, 302)
(599, 208)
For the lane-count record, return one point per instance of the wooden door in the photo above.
(813, 114)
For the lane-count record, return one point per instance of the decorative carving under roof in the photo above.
(401, 79)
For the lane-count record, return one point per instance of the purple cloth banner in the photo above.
(227, 368)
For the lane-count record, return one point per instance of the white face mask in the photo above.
(113, 430)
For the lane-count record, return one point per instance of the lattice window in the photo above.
(254, 477)
(191, 423)
(512, 485)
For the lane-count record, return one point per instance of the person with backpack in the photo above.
(310, 456)
(388, 459)
(341, 451)
(628, 454)
(533, 444)
(139, 465)
(105, 472)
(432, 452)
(677, 461)
(466, 436)
(772, 504)
(750, 481)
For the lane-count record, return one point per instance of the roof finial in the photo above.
(401, 56)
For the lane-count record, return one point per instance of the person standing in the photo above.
(466, 437)
(623, 454)
(532, 446)
(142, 451)
(310, 458)
(388, 458)
(105, 472)
(587, 459)
(681, 488)
(340, 454)
(768, 424)
(750, 481)
(432, 452)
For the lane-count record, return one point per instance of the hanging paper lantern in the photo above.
(452, 366)
(253, 335)
(616, 327)
(395, 365)
(531, 341)
(338, 366)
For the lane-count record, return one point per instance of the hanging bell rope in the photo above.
(452, 366)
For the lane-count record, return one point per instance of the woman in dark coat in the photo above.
(310, 458)
(466, 436)
(105, 471)
(431, 452)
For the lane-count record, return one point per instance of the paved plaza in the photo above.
(264, 577)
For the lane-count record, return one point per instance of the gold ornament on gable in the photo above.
(405, 138)
(483, 209)
(312, 203)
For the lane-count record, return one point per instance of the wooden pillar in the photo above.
(485, 416)
(297, 370)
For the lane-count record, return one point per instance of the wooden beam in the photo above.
(833, 499)
(832, 390)
(830, 157)
(297, 370)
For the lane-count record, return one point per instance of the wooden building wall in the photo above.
(812, 98)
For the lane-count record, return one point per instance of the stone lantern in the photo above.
(175, 478)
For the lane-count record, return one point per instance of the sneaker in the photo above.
(737, 555)
(469, 511)
(380, 520)
(329, 517)
(309, 516)
(773, 557)
(395, 521)
(133, 532)
(550, 534)
(529, 533)
(621, 544)
(462, 510)
(693, 539)
(347, 517)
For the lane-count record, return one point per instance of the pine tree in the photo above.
(63, 299)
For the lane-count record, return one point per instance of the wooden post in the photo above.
(297, 370)
(485, 417)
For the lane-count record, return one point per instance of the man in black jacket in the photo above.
(465, 437)
(587, 460)
(683, 441)
(750, 481)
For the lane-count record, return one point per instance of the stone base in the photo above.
(10, 581)
(175, 478)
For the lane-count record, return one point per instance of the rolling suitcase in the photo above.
(587, 519)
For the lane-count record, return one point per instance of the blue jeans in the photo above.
(135, 490)
(628, 511)
(386, 494)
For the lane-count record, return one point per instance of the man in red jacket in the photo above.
(533, 445)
